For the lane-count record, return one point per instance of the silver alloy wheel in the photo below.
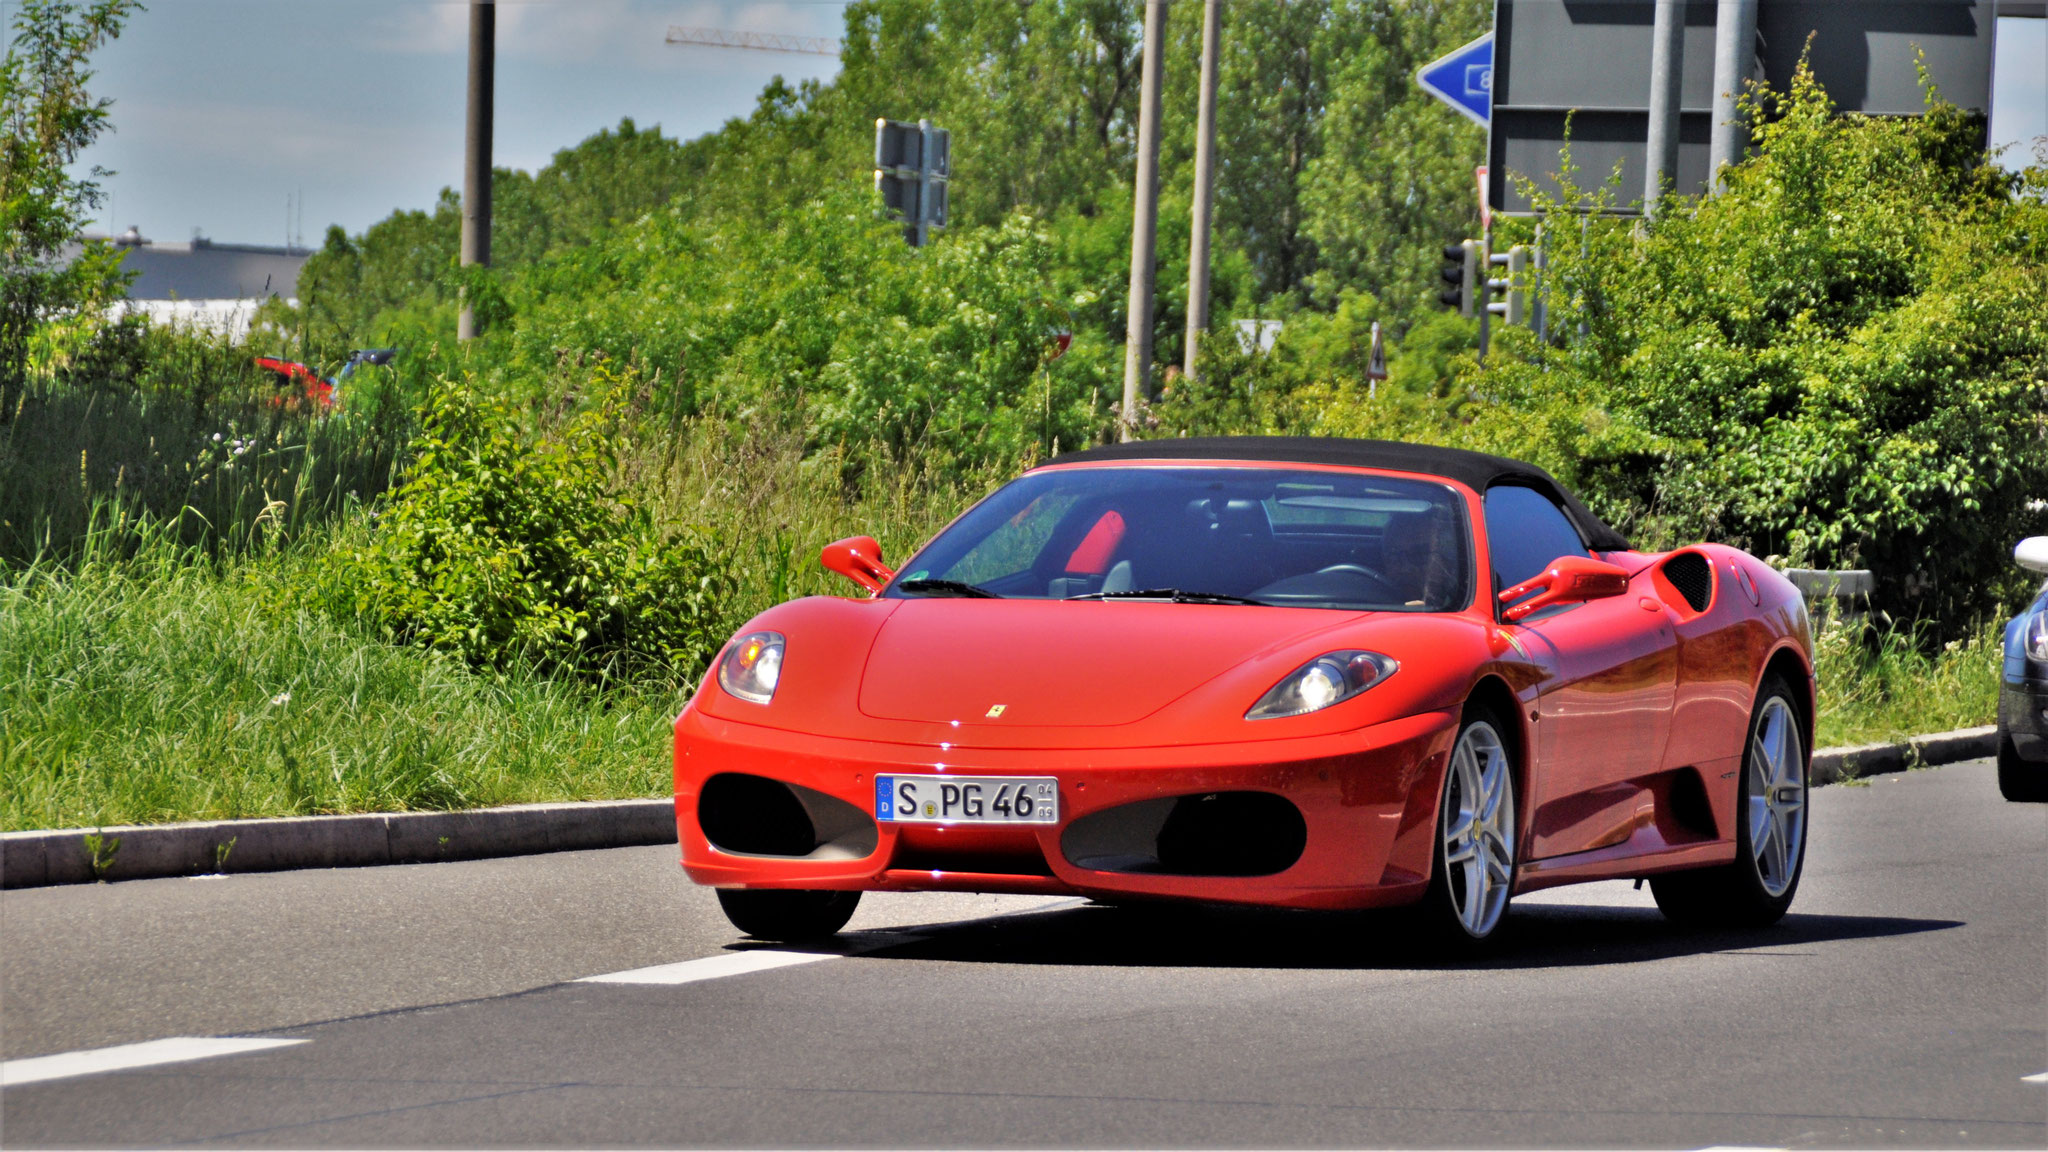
(1777, 796)
(1479, 829)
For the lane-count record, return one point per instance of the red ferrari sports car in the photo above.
(1293, 672)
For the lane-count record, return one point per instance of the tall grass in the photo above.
(776, 507)
(170, 426)
(1892, 682)
(163, 684)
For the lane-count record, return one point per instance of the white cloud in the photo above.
(590, 31)
(234, 132)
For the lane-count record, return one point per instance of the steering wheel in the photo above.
(1384, 584)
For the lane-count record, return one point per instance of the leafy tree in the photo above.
(1273, 90)
(609, 179)
(1841, 360)
(1393, 179)
(824, 320)
(49, 119)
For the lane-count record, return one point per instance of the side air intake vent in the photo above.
(1693, 576)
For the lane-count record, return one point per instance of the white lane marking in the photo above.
(711, 967)
(175, 1050)
(766, 959)
(1737, 1148)
(2036, 1078)
(752, 960)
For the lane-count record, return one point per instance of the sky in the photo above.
(226, 111)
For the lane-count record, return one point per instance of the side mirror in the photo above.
(1566, 580)
(2032, 554)
(859, 559)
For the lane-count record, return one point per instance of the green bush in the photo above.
(507, 551)
(1840, 360)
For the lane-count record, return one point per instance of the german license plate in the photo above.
(967, 799)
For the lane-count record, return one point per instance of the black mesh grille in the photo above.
(1690, 573)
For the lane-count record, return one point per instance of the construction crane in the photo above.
(758, 41)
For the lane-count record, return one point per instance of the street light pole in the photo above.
(1144, 223)
(1734, 61)
(1205, 187)
(1667, 61)
(476, 150)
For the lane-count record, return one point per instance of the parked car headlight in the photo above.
(1331, 678)
(2037, 637)
(752, 666)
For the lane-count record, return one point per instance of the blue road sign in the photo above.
(1463, 79)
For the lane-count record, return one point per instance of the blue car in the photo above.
(2023, 695)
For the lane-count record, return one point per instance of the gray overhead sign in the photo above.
(1591, 59)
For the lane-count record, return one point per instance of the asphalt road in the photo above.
(1901, 1004)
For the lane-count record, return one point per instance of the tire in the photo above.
(787, 915)
(1472, 866)
(2019, 781)
(1770, 828)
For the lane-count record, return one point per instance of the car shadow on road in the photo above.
(1544, 936)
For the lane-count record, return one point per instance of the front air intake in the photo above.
(745, 815)
(1210, 834)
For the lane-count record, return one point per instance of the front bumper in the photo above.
(2023, 716)
(1367, 799)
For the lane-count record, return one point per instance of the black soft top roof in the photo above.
(1476, 470)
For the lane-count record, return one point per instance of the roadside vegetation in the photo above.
(493, 573)
(167, 685)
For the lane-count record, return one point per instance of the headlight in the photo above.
(752, 666)
(2037, 637)
(1328, 679)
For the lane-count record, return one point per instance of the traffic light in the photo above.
(1461, 272)
(1514, 289)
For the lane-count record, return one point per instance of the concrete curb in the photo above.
(1833, 765)
(136, 852)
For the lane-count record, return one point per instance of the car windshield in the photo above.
(1277, 536)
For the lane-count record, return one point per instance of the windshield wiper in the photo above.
(947, 588)
(1172, 594)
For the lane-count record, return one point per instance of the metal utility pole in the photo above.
(1734, 62)
(1205, 186)
(1667, 44)
(1144, 222)
(476, 150)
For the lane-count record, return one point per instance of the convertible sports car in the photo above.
(1292, 672)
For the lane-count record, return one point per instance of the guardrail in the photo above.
(1841, 593)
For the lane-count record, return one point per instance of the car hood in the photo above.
(1087, 674)
(1088, 664)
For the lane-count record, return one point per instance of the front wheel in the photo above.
(2018, 780)
(787, 915)
(1474, 868)
(1770, 829)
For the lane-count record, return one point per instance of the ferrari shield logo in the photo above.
(995, 711)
